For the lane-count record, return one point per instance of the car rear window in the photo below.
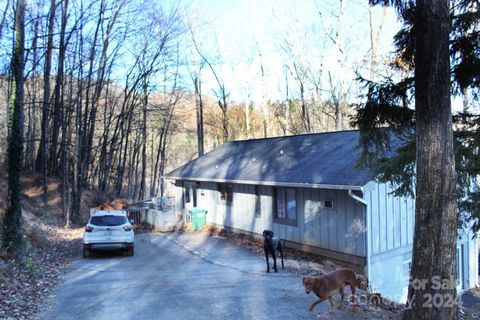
(108, 221)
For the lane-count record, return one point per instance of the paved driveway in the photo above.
(181, 276)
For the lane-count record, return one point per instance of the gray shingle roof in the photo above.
(312, 160)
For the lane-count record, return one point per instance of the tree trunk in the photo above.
(287, 128)
(374, 41)
(224, 108)
(123, 158)
(58, 98)
(199, 104)
(144, 142)
(153, 189)
(12, 236)
(90, 99)
(131, 177)
(340, 108)
(32, 123)
(434, 247)
(4, 19)
(76, 197)
(42, 159)
(248, 107)
(264, 105)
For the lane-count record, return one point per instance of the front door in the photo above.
(190, 195)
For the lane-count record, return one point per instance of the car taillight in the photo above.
(127, 228)
(88, 228)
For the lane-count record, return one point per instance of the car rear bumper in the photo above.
(108, 245)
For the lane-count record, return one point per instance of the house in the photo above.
(306, 188)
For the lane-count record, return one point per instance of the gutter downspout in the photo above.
(353, 196)
(367, 227)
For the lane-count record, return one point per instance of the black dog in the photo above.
(270, 244)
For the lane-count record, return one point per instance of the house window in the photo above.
(186, 191)
(225, 193)
(329, 204)
(285, 205)
(258, 208)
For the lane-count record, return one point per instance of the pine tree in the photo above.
(417, 109)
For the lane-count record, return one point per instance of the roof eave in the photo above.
(272, 183)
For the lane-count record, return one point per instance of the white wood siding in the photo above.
(391, 218)
(339, 229)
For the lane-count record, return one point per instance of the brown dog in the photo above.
(326, 285)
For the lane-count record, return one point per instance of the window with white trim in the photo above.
(285, 205)
(225, 193)
(328, 204)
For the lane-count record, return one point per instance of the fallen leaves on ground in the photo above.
(24, 286)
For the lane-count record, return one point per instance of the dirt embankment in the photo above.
(25, 282)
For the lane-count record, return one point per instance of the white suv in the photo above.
(108, 230)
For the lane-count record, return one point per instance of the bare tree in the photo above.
(42, 154)
(12, 236)
(32, 108)
(57, 95)
(3, 22)
(221, 93)
(374, 40)
(195, 68)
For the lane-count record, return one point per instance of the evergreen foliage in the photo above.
(390, 104)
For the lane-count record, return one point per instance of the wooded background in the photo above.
(114, 92)
(107, 95)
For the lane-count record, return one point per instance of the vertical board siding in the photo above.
(323, 221)
(267, 207)
(241, 213)
(403, 223)
(387, 274)
(208, 200)
(341, 211)
(332, 241)
(310, 216)
(341, 228)
(361, 217)
(374, 220)
(391, 218)
(382, 215)
(178, 192)
(410, 219)
(398, 223)
(305, 207)
(351, 231)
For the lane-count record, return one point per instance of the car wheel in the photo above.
(86, 253)
(130, 252)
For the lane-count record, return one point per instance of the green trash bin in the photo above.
(199, 218)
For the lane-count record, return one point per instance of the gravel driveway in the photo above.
(182, 276)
